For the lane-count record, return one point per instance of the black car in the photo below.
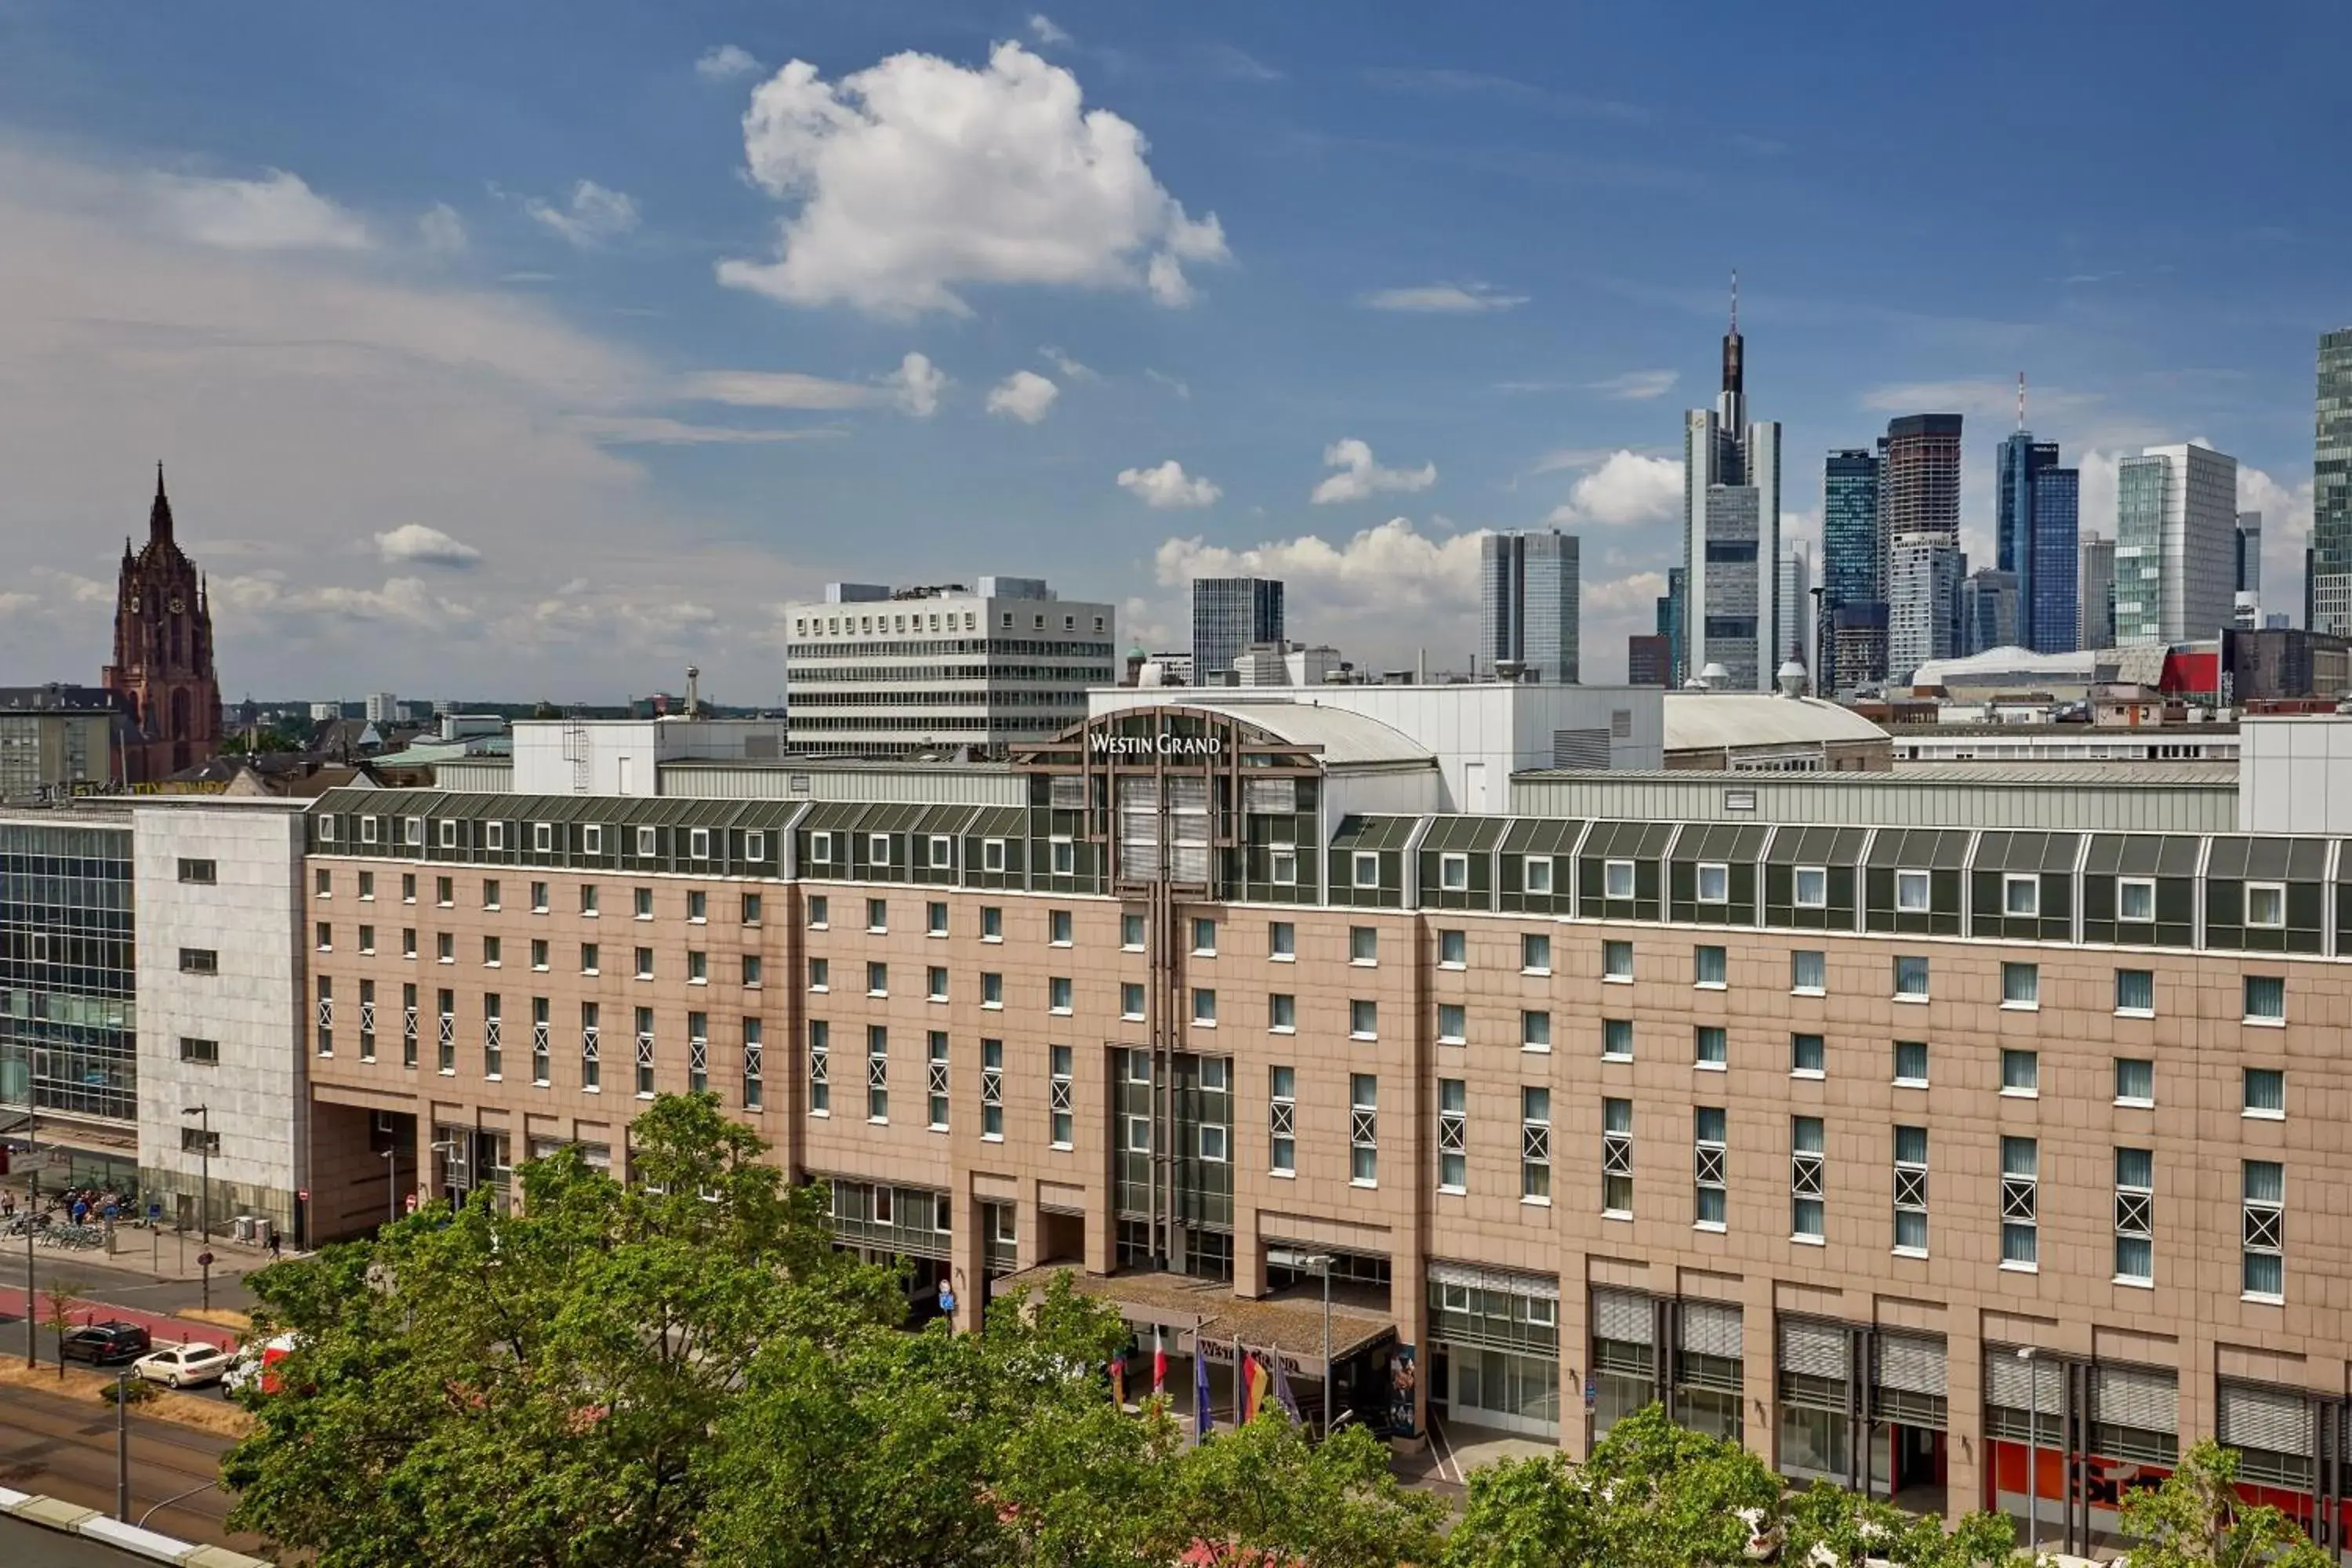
(104, 1344)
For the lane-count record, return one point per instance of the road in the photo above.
(125, 1280)
(66, 1449)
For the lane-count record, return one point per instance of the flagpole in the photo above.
(1240, 1409)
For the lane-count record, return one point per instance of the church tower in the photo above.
(164, 655)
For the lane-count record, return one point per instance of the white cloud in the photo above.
(278, 212)
(914, 387)
(1071, 369)
(725, 62)
(1045, 30)
(2286, 529)
(1161, 378)
(592, 216)
(1167, 486)
(1360, 478)
(653, 430)
(1024, 396)
(1442, 298)
(441, 230)
(916, 384)
(426, 546)
(1627, 491)
(1986, 397)
(1378, 595)
(1636, 386)
(917, 175)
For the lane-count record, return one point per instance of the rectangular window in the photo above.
(408, 1027)
(992, 854)
(1204, 1008)
(2134, 1216)
(2266, 905)
(1281, 1013)
(493, 951)
(645, 1053)
(1911, 892)
(751, 908)
(2020, 896)
(1214, 1144)
(1617, 1158)
(1130, 1000)
(1714, 883)
(2264, 1093)
(538, 954)
(2134, 1081)
(935, 919)
(820, 910)
(1710, 1045)
(2021, 985)
(1452, 1024)
(1363, 1130)
(2265, 999)
(408, 942)
(935, 983)
(1910, 1064)
(1534, 1145)
(1709, 1204)
(698, 1053)
(991, 922)
(1363, 945)
(878, 850)
(591, 1068)
(408, 887)
(935, 1079)
(645, 964)
(2263, 1187)
(1535, 1030)
(1062, 856)
(2021, 1073)
(942, 849)
(201, 872)
(1452, 1135)
(1452, 949)
(1911, 980)
(1807, 1178)
(1282, 1120)
(1708, 967)
(1283, 867)
(1061, 1096)
(878, 979)
(820, 1066)
(326, 1015)
(1617, 961)
(490, 893)
(494, 1056)
(755, 1084)
(367, 1020)
(445, 888)
(192, 1049)
(992, 990)
(878, 1073)
(542, 1045)
(1060, 928)
(1205, 938)
(820, 974)
(1812, 888)
(1363, 1020)
(1911, 1191)
(2021, 1164)
(326, 937)
(878, 915)
(1453, 872)
(1057, 993)
(445, 947)
(1808, 1056)
(992, 1090)
(1617, 879)
(1130, 933)
(447, 1061)
(1535, 954)
(1807, 972)
(199, 961)
(1538, 874)
(2135, 899)
(752, 968)
(2136, 993)
(367, 887)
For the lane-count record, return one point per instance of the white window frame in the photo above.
(821, 848)
(942, 848)
(935, 1081)
(1533, 1020)
(1062, 857)
(2016, 883)
(1365, 869)
(1902, 1082)
(1808, 1179)
(697, 843)
(1709, 1158)
(1284, 869)
(1820, 893)
(2262, 1229)
(992, 854)
(1614, 874)
(1215, 1144)
(1282, 1120)
(2265, 1020)
(2135, 1218)
(1720, 875)
(2124, 1012)
(1905, 881)
(1534, 1145)
(1616, 1159)
(1614, 977)
(1453, 872)
(543, 838)
(2276, 917)
(2020, 1204)
(1527, 954)
(2032, 973)
(1459, 1033)
(1537, 873)
(992, 1092)
(1363, 1128)
(1453, 1137)
(649, 842)
(592, 838)
(2127, 885)
(878, 850)
(755, 846)
(1911, 1190)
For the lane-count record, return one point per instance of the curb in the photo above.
(72, 1519)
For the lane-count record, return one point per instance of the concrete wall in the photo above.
(2295, 775)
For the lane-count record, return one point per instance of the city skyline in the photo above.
(540, 326)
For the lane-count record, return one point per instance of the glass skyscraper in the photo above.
(1731, 533)
(1849, 550)
(2327, 586)
(1228, 615)
(2039, 507)
(68, 1013)
(1528, 602)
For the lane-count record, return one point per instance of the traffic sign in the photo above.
(947, 1299)
(1592, 1392)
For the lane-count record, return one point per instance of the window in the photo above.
(326, 937)
(408, 942)
(1910, 1064)
(935, 983)
(591, 838)
(2265, 999)
(2021, 1162)
(201, 872)
(878, 1073)
(1806, 1178)
(1539, 872)
(493, 950)
(1061, 1096)
(326, 1015)
(2021, 1073)
(449, 834)
(1063, 857)
(820, 974)
(540, 1044)
(1452, 1024)
(1807, 1057)
(878, 915)
(1205, 938)
(2264, 1093)
(1204, 1008)
(2134, 1081)
(1911, 1191)
(1807, 972)
(1059, 927)
(1710, 1045)
(409, 1025)
(1911, 980)
(1452, 1135)
(1452, 949)
(1366, 869)
(1363, 1020)
(935, 919)
(819, 911)
(1213, 1140)
(2263, 1187)
(992, 854)
(2136, 993)
(1057, 993)
(199, 961)
(1535, 1030)
(752, 968)
(1281, 1119)
(1534, 1145)
(591, 1068)
(1130, 1000)
(1707, 1161)
(992, 990)
(1911, 892)
(192, 1049)
(2020, 895)
(199, 1140)
(1617, 961)
(1714, 883)
(538, 897)
(490, 893)
(1363, 945)
(2021, 985)
(367, 887)
(645, 1053)
(644, 970)
(943, 852)
(992, 1090)
(445, 948)
(991, 923)
(820, 1052)
(1281, 1013)
(1453, 872)
(697, 904)
(494, 1056)
(325, 883)
(588, 899)
(1363, 1130)
(878, 850)
(751, 909)
(1283, 865)
(2265, 905)
(1535, 954)
(1617, 879)
(878, 979)
(408, 887)
(1708, 967)
(445, 890)
(1812, 888)
(2135, 899)
(1130, 933)
(643, 901)
(1617, 1158)
(935, 1079)
(754, 1088)
(2134, 1216)
(447, 1061)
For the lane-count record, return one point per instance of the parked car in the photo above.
(183, 1366)
(107, 1345)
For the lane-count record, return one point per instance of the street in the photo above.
(65, 1448)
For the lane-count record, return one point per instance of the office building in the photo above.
(2096, 617)
(2175, 544)
(1731, 533)
(1991, 604)
(1919, 539)
(1850, 555)
(382, 708)
(1796, 606)
(2250, 553)
(1858, 647)
(1230, 614)
(1528, 604)
(1670, 624)
(1649, 661)
(1922, 611)
(2038, 508)
(58, 738)
(2328, 576)
(876, 671)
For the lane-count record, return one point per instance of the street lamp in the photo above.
(445, 1148)
(390, 1183)
(2032, 1448)
(1315, 1263)
(203, 1193)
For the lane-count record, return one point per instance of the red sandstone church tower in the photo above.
(164, 655)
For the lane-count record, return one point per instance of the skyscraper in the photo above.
(1796, 599)
(1919, 539)
(1229, 614)
(2328, 585)
(2175, 544)
(2250, 553)
(1850, 559)
(2038, 505)
(2095, 623)
(1990, 606)
(1671, 608)
(1528, 602)
(1731, 532)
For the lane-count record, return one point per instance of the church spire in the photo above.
(158, 516)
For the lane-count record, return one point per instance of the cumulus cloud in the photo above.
(426, 546)
(1985, 397)
(1360, 478)
(592, 216)
(276, 212)
(1626, 491)
(441, 230)
(1024, 396)
(1442, 298)
(914, 387)
(918, 176)
(725, 62)
(1167, 486)
(1635, 385)
(1045, 30)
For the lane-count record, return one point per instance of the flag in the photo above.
(1159, 1364)
(1119, 1378)
(1254, 1382)
(1202, 1418)
(1282, 1388)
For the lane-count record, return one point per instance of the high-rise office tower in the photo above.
(1796, 601)
(1731, 532)
(2038, 505)
(2327, 585)
(1919, 539)
(2094, 624)
(1670, 622)
(2250, 553)
(1528, 602)
(2175, 544)
(1850, 559)
(1229, 614)
(1991, 607)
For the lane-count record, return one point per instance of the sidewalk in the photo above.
(127, 1276)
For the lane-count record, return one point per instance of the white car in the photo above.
(252, 1361)
(183, 1366)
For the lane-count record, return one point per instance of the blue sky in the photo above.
(492, 350)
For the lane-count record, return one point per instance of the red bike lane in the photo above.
(164, 1328)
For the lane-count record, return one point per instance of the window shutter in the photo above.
(2141, 1398)
(1911, 1363)
(1813, 1349)
(1621, 1315)
(2267, 1418)
(1711, 1328)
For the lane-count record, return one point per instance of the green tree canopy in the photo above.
(2195, 1520)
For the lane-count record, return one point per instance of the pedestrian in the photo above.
(8, 1206)
(277, 1246)
(80, 1211)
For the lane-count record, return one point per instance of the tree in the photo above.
(1263, 1493)
(2196, 1520)
(1825, 1525)
(61, 1295)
